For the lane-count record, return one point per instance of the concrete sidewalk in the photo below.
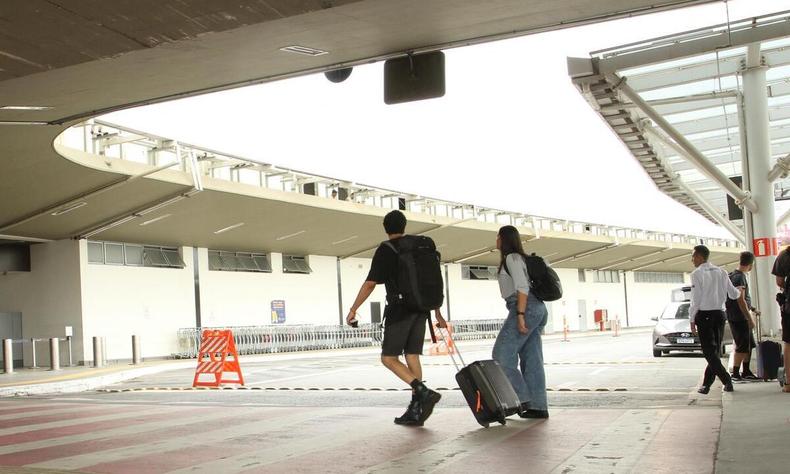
(82, 378)
(755, 429)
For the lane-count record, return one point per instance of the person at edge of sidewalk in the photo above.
(710, 288)
(739, 317)
(404, 331)
(781, 271)
(518, 347)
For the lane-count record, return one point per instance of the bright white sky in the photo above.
(511, 132)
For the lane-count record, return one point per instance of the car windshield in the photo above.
(679, 312)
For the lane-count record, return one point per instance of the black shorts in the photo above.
(404, 334)
(786, 327)
(742, 336)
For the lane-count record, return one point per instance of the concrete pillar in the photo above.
(755, 104)
(8, 355)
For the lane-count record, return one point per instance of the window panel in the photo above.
(247, 263)
(263, 262)
(215, 262)
(173, 257)
(134, 254)
(153, 257)
(95, 252)
(113, 253)
(295, 264)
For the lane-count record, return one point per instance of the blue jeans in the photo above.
(521, 355)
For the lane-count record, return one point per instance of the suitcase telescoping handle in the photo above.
(446, 335)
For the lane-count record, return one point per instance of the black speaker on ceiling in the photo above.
(338, 75)
(414, 77)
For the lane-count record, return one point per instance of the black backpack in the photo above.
(544, 282)
(420, 284)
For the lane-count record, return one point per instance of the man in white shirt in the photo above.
(710, 287)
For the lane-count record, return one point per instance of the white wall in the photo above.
(244, 298)
(48, 297)
(353, 272)
(473, 299)
(119, 301)
(647, 300)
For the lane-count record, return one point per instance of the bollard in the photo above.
(8, 355)
(71, 363)
(54, 353)
(33, 342)
(98, 360)
(104, 350)
(565, 329)
(137, 358)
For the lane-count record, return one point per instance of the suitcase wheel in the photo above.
(484, 425)
(502, 422)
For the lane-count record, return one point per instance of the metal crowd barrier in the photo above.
(276, 339)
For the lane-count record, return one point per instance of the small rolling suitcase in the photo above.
(769, 359)
(487, 390)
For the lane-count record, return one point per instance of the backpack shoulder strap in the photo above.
(390, 245)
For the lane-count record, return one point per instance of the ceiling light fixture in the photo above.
(25, 107)
(70, 208)
(156, 219)
(22, 122)
(230, 227)
(303, 50)
(345, 240)
(291, 235)
(476, 250)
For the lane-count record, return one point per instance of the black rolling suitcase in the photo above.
(487, 390)
(769, 359)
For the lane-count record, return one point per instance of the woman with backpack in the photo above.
(518, 347)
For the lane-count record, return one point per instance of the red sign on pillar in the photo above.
(765, 247)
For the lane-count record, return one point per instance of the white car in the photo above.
(673, 328)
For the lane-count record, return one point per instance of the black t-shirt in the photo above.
(384, 269)
(734, 313)
(782, 264)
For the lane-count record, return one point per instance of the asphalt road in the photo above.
(586, 372)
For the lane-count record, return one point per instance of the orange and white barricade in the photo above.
(217, 356)
(445, 345)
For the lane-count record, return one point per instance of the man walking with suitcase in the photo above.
(408, 308)
(710, 288)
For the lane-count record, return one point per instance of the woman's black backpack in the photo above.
(420, 284)
(543, 280)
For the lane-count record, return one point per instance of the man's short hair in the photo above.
(747, 258)
(702, 251)
(395, 223)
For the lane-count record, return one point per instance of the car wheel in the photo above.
(656, 353)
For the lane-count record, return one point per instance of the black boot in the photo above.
(534, 414)
(412, 415)
(426, 399)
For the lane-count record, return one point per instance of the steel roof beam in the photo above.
(705, 40)
(683, 146)
(712, 211)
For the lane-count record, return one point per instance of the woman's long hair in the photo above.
(509, 242)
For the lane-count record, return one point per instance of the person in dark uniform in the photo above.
(404, 331)
(710, 288)
(739, 317)
(781, 271)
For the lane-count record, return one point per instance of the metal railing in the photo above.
(51, 343)
(113, 141)
(277, 339)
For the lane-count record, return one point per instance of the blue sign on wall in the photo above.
(278, 311)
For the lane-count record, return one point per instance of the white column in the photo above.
(755, 103)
